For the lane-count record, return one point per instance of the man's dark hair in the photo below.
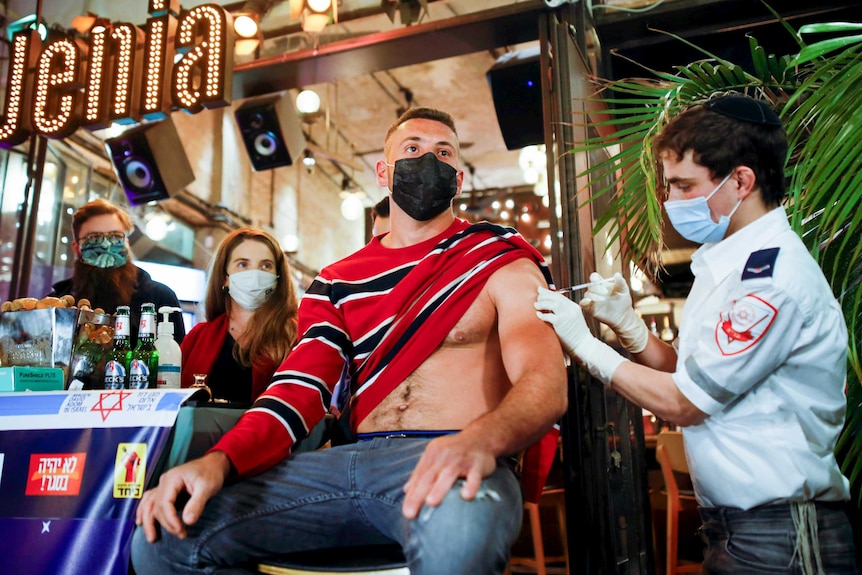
(425, 114)
(721, 143)
(380, 209)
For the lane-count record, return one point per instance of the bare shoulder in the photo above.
(520, 275)
(512, 290)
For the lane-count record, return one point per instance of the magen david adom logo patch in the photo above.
(746, 323)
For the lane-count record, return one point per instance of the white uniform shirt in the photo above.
(763, 352)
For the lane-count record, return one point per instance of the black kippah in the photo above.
(744, 109)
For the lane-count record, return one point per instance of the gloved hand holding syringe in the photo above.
(609, 301)
(586, 285)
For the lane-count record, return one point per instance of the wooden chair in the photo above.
(552, 496)
(539, 560)
(670, 453)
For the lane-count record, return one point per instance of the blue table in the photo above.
(73, 466)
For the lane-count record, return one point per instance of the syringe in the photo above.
(586, 285)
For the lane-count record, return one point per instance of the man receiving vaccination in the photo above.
(451, 376)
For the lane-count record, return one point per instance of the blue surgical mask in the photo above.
(693, 220)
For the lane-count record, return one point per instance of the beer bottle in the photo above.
(115, 369)
(142, 362)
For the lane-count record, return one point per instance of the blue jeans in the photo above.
(343, 496)
(762, 541)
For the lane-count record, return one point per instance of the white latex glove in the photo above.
(611, 304)
(567, 319)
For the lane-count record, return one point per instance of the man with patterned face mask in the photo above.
(757, 376)
(104, 273)
(449, 377)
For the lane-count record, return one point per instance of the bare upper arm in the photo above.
(529, 345)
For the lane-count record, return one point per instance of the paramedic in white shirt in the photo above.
(757, 378)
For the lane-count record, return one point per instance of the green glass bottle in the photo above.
(115, 370)
(142, 362)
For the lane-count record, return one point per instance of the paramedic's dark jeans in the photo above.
(762, 541)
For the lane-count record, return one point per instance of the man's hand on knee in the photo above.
(200, 479)
(445, 460)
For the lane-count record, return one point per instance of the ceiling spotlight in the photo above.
(308, 102)
(532, 156)
(531, 175)
(290, 243)
(308, 159)
(319, 5)
(246, 25)
(156, 227)
(315, 15)
(351, 207)
(540, 187)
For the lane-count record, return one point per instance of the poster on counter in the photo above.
(73, 467)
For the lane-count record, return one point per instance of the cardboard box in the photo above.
(31, 379)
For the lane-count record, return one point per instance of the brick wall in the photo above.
(287, 200)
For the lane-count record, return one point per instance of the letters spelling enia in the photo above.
(118, 74)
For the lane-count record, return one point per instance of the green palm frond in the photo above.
(817, 92)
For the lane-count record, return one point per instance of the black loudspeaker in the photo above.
(150, 162)
(271, 131)
(516, 86)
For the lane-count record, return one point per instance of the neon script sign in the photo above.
(118, 74)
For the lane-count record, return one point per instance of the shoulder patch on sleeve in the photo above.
(745, 324)
(760, 264)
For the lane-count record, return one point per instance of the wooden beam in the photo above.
(479, 31)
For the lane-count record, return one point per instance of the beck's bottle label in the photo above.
(139, 374)
(115, 375)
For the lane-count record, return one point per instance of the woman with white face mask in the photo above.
(250, 322)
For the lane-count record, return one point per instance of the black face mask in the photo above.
(424, 187)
